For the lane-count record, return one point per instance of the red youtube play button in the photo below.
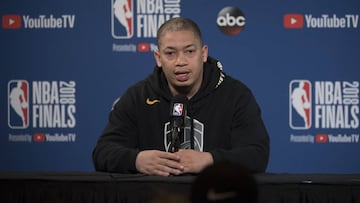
(143, 47)
(293, 21)
(11, 21)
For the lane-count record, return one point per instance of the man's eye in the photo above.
(190, 51)
(169, 53)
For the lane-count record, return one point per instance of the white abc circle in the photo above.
(229, 20)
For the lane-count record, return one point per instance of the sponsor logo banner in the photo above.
(322, 21)
(231, 20)
(63, 21)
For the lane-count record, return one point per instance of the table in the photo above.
(96, 187)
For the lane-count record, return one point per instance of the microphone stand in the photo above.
(175, 145)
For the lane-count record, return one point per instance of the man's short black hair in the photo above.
(179, 24)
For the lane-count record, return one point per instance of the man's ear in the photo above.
(205, 51)
(157, 58)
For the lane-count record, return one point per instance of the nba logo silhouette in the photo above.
(122, 19)
(300, 104)
(18, 104)
(178, 109)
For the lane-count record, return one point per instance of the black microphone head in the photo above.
(178, 107)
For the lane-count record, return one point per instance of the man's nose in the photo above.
(180, 59)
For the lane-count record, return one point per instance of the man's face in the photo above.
(181, 58)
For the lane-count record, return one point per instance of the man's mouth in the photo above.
(182, 76)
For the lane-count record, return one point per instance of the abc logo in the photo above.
(231, 20)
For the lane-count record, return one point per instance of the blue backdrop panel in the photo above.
(63, 64)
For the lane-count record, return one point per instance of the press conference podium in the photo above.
(97, 187)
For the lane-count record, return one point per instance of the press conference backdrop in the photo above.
(64, 63)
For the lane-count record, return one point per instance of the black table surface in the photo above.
(262, 178)
(18, 187)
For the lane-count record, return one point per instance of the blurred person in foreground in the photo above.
(225, 119)
(224, 183)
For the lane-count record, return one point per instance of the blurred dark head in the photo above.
(225, 183)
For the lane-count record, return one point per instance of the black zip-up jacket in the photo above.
(233, 130)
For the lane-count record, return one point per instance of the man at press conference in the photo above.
(186, 115)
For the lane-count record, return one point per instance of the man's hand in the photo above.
(194, 161)
(155, 162)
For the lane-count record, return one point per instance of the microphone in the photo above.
(178, 112)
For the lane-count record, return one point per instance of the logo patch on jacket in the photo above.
(152, 101)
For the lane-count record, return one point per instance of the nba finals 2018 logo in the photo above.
(334, 104)
(324, 111)
(41, 105)
(53, 104)
(141, 18)
(133, 20)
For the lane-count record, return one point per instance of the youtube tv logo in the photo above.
(293, 21)
(11, 22)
